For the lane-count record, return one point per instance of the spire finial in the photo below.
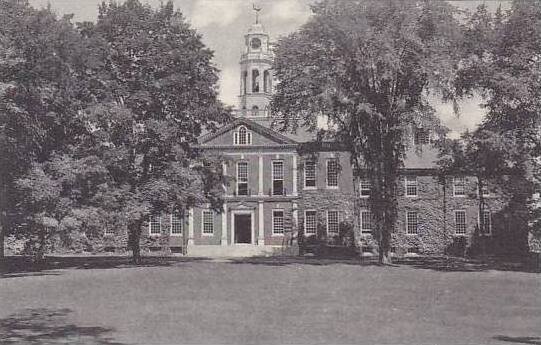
(256, 9)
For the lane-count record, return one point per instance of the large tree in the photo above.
(501, 61)
(41, 59)
(369, 66)
(160, 94)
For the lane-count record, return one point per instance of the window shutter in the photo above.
(236, 138)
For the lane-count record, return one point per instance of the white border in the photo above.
(465, 222)
(150, 226)
(252, 216)
(272, 177)
(171, 226)
(304, 176)
(247, 177)
(416, 222)
(454, 187)
(406, 186)
(327, 174)
(283, 222)
(203, 233)
(327, 222)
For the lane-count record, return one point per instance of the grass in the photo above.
(295, 301)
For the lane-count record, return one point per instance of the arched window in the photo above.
(255, 110)
(243, 136)
(266, 82)
(244, 82)
(255, 80)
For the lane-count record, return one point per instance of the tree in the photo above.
(502, 61)
(160, 95)
(40, 68)
(368, 66)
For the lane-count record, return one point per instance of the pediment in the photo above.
(259, 135)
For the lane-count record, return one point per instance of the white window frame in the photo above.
(416, 223)
(150, 225)
(409, 183)
(455, 179)
(361, 189)
(171, 224)
(337, 222)
(315, 174)
(337, 173)
(489, 223)
(237, 137)
(203, 233)
(273, 178)
(305, 218)
(247, 177)
(465, 223)
(364, 231)
(274, 223)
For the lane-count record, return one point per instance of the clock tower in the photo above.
(256, 80)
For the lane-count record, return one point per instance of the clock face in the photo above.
(255, 43)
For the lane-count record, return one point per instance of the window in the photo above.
(485, 190)
(155, 225)
(278, 178)
(459, 186)
(255, 81)
(422, 136)
(176, 224)
(208, 222)
(411, 185)
(108, 231)
(277, 222)
(310, 222)
(332, 173)
(411, 225)
(255, 110)
(333, 224)
(267, 81)
(242, 136)
(310, 174)
(486, 229)
(364, 188)
(460, 222)
(242, 178)
(366, 222)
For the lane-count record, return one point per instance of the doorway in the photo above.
(243, 228)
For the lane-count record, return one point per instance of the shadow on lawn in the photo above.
(519, 340)
(18, 266)
(443, 264)
(48, 326)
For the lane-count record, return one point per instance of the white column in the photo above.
(224, 226)
(260, 172)
(261, 230)
(294, 175)
(295, 215)
(224, 173)
(190, 226)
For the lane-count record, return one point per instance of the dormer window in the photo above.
(242, 136)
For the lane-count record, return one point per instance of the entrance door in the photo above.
(243, 228)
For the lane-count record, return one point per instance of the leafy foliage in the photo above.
(368, 67)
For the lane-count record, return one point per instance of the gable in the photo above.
(255, 135)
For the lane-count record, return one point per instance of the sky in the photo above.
(222, 24)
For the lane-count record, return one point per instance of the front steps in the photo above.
(239, 250)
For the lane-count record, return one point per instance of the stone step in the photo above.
(239, 250)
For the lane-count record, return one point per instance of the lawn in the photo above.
(191, 301)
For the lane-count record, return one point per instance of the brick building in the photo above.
(281, 196)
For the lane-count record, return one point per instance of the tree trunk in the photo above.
(134, 242)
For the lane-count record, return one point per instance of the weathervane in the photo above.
(256, 9)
